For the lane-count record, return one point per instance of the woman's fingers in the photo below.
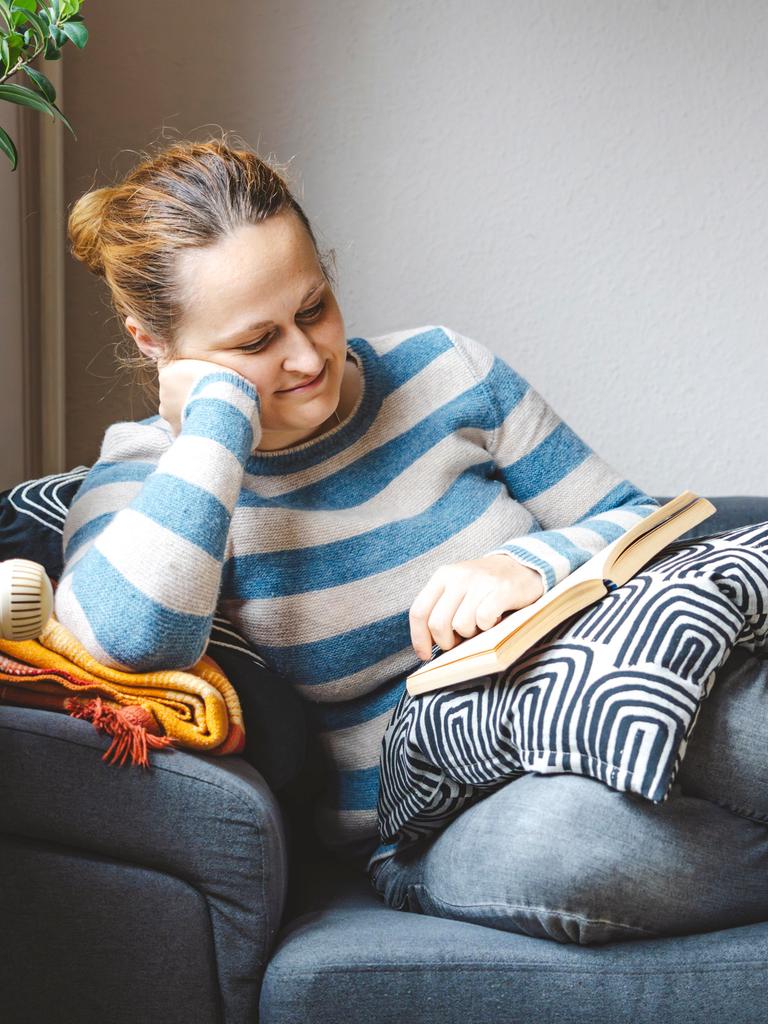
(468, 597)
(435, 616)
(420, 611)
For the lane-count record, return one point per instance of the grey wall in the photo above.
(11, 408)
(578, 184)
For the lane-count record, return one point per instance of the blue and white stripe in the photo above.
(449, 454)
(145, 538)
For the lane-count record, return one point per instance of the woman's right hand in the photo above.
(175, 380)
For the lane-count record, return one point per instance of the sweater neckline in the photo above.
(355, 423)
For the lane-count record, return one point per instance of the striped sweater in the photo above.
(316, 552)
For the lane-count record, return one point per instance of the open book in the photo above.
(498, 647)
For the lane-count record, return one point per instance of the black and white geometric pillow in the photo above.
(32, 518)
(613, 693)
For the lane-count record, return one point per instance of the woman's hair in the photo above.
(188, 195)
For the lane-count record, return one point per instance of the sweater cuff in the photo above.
(544, 569)
(226, 407)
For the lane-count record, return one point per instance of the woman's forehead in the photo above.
(229, 290)
(250, 255)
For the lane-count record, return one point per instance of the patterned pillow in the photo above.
(612, 693)
(32, 518)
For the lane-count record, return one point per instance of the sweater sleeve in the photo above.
(145, 539)
(577, 502)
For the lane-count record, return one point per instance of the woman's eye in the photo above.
(310, 314)
(307, 314)
(257, 346)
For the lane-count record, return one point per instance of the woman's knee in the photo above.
(540, 856)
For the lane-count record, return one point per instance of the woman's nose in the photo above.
(303, 357)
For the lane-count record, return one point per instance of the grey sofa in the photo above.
(190, 893)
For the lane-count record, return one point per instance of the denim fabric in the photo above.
(567, 858)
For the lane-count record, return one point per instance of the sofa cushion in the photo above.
(612, 693)
(346, 956)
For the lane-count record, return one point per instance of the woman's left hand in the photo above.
(466, 598)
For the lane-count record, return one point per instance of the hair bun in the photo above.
(85, 228)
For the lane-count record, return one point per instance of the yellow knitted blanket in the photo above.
(196, 708)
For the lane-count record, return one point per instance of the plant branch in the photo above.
(26, 58)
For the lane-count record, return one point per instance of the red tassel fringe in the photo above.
(134, 728)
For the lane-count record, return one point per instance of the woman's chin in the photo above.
(287, 437)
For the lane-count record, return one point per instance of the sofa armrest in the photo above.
(211, 822)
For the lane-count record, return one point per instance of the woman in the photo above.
(348, 504)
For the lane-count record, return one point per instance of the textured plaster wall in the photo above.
(579, 184)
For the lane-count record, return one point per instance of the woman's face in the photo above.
(257, 302)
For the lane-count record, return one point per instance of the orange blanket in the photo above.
(197, 708)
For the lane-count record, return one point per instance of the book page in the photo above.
(642, 550)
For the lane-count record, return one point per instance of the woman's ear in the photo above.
(149, 347)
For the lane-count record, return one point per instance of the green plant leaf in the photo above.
(26, 5)
(5, 56)
(43, 84)
(52, 52)
(63, 120)
(77, 32)
(26, 98)
(7, 146)
(38, 27)
(15, 44)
